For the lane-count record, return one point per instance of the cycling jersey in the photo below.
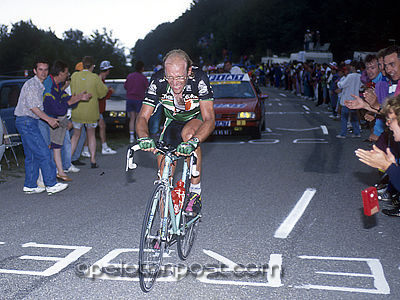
(197, 89)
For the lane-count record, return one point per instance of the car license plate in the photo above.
(223, 132)
(222, 123)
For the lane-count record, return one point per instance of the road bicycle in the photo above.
(162, 226)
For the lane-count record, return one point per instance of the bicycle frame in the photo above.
(168, 205)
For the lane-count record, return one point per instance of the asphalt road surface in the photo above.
(283, 219)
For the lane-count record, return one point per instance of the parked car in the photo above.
(115, 115)
(9, 94)
(239, 105)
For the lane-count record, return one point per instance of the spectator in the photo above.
(87, 113)
(385, 160)
(56, 104)
(374, 76)
(37, 155)
(317, 42)
(307, 40)
(228, 68)
(105, 67)
(66, 155)
(350, 85)
(135, 85)
(277, 74)
(77, 153)
(334, 92)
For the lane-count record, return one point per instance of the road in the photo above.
(283, 219)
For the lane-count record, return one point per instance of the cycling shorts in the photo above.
(172, 131)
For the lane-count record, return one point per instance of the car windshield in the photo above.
(120, 92)
(233, 90)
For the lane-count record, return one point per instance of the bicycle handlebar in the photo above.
(161, 146)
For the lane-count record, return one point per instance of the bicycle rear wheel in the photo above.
(187, 237)
(151, 247)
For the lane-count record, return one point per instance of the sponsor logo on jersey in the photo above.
(203, 89)
(152, 90)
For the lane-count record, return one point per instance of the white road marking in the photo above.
(43, 258)
(380, 283)
(61, 262)
(275, 263)
(309, 141)
(297, 130)
(291, 112)
(283, 95)
(324, 129)
(264, 141)
(229, 143)
(2, 243)
(277, 99)
(291, 220)
(275, 269)
(306, 108)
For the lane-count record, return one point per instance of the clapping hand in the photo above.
(376, 158)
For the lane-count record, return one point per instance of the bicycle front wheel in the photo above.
(151, 247)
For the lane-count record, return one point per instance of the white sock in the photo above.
(195, 188)
(86, 148)
(104, 145)
(132, 133)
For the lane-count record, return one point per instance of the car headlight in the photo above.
(246, 115)
(119, 114)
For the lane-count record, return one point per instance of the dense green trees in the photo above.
(24, 42)
(244, 27)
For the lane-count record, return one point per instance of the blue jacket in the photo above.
(55, 99)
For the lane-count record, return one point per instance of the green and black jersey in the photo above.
(197, 89)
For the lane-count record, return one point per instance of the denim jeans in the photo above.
(66, 151)
(334, 100)
(37, 153)
(354, 120)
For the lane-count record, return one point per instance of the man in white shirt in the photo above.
(350, 85)
(228, 68)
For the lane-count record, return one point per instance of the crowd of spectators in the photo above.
(359, 94)
(52, 112)
(356, 93)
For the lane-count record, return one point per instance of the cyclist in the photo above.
(184, 92)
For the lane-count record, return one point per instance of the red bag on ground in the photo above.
(370, 201)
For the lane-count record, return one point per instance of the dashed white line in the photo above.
(291, 220)
(306, 108)
(300, 129)
(283, 95)
(324, 129)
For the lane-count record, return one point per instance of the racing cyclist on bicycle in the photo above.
(185, 94)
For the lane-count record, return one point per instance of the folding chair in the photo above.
(11, 140)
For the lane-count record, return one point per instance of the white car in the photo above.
(115, 115)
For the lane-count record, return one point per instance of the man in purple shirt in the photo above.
(135, 85)
(56, 104)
